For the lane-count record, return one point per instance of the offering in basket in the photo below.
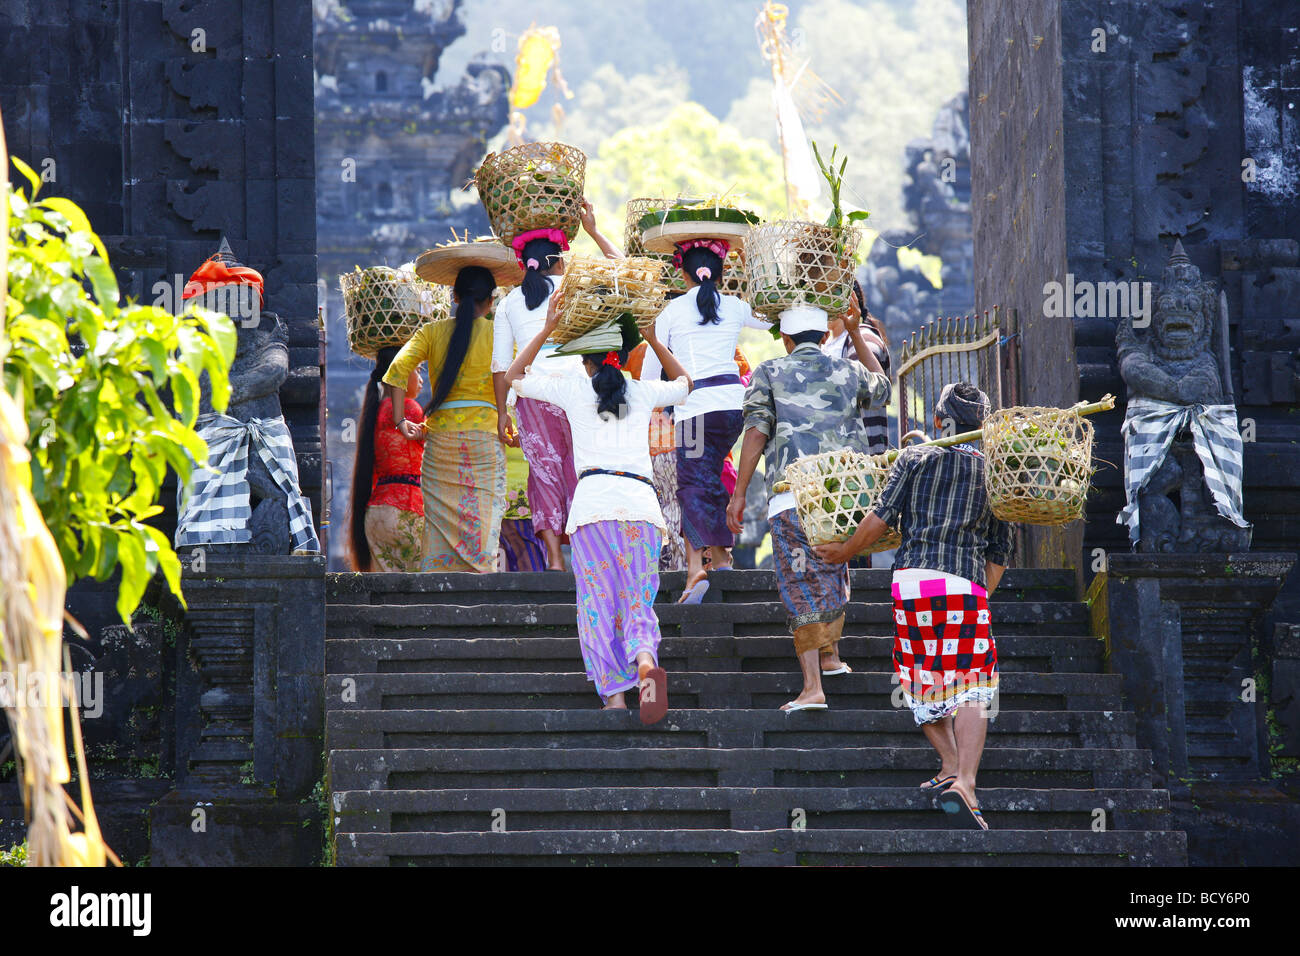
(533, 186)
(386, 306)
(597, 290)
(1038, 464)
(833, 493)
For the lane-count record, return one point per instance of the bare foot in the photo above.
(968, 795)
(805, 699)
(691, 583)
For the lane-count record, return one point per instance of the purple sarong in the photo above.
(616, 570)
(702, 445)
(547, 443)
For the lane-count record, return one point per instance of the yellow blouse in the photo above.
(473, 384)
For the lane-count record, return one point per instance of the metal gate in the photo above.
(972, 348)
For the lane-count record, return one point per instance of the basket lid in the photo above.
(442, 264)
(663, 238)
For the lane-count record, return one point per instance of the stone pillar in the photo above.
(1182, 630)
(250, 710)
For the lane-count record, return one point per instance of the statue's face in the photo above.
(1179, 323)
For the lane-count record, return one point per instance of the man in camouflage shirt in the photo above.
(804, 404)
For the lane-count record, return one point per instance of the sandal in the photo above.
(961, 814)
(939, 783)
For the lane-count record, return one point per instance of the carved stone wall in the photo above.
(1018, 204)
(174, 123)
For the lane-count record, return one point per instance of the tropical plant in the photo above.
(837, 219)
(111, 392)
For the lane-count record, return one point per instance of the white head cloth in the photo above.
(803, 319)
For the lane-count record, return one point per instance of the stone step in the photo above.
(548, 587)
(455, 769)
(1016, 652)
(691, 690)
(675, 620)
(594, 728)
(731, 808)
(783, 847)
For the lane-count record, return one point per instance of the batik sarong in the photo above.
(664, 472)
(702, 444)
(520, 549)
(615, 566)
(463, 478)
(395, 536)
(813, 591)
(944, 654)
(547, 443)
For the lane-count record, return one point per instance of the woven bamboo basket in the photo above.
(385, 307)
(1038, 464)
(834, 491)
(792, 263)
(597, 290)
(533, 186)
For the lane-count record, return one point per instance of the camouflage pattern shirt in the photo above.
(808, 402)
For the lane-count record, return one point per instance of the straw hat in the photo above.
(664, 237)
(442, 264)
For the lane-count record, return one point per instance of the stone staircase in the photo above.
(461, 730)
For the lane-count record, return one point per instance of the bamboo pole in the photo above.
(1104, 404)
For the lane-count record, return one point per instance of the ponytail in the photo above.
(539, 255)
(363, 468)
(704, 266)
(474, 286)
(609, 384)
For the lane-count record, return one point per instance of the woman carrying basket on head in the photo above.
(543, 432)
(463, 477)
(615, 525)
(386, 514)
(952, 555)
(701, 328)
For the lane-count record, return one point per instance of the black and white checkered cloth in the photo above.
(1150, 427)
(215, 507)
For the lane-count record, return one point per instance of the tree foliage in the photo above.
(111, 392)
(688, 153)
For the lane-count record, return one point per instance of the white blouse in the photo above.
(704, 350)
(515, 325)
(617, 444)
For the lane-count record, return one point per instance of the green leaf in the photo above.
(29, 173)
(102, 280)
(167, 560)
(858, 215)
(135, 573)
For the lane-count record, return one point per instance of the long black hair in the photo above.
(363, 468)
(536, 285)
(474, 285)
(707, 298)
(608, 382)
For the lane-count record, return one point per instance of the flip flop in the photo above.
(842, 669)
(653, 683)
(791, 707)
(939, 783)
(960, 813)
(696, 594)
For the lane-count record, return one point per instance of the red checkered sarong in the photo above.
(944, 654)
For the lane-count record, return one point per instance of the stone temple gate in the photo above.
(1101, 132)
